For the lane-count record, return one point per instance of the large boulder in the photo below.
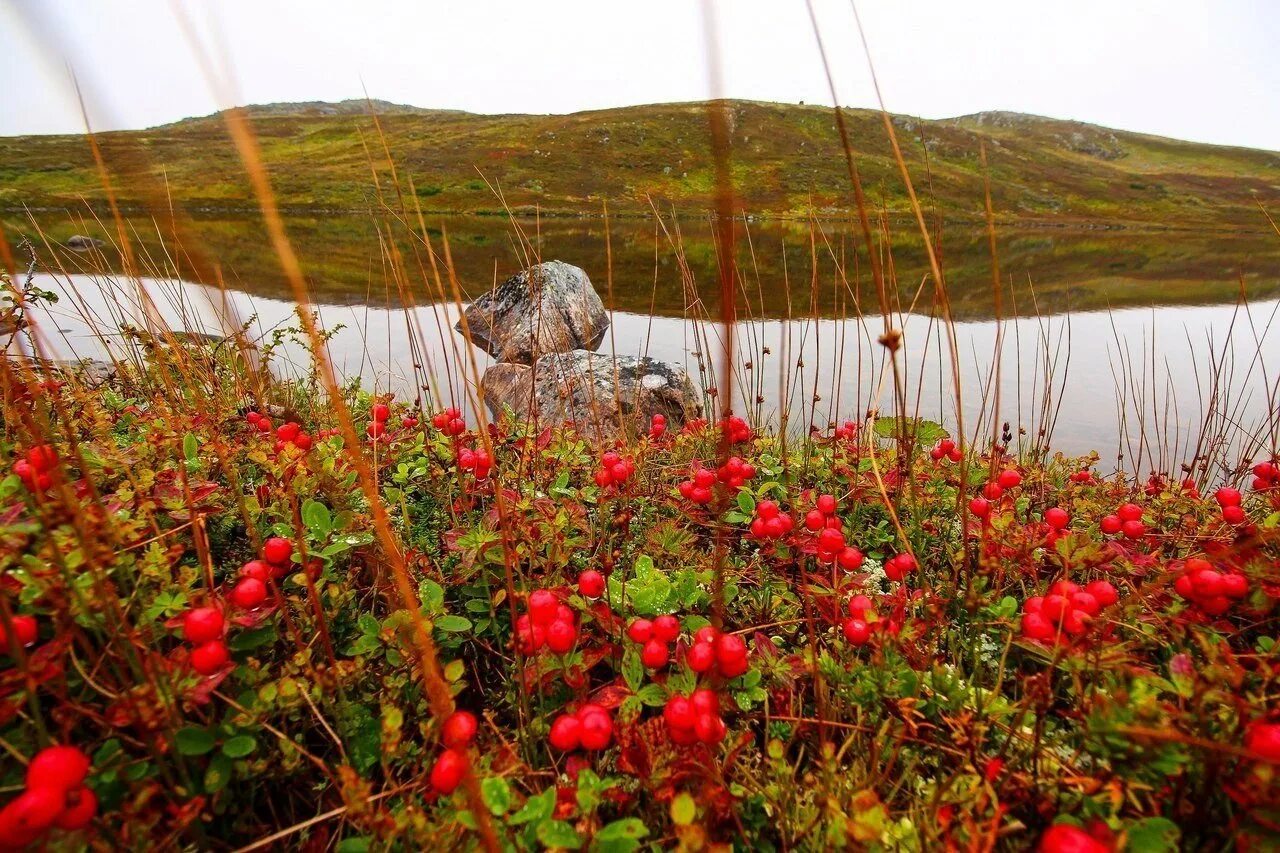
(579, 387)
(550, 307)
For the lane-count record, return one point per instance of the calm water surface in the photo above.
(1122, 323)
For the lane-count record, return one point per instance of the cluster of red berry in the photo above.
(899, 566)
(736, 429)
(1266, 475)
(727, 653)
(658, 426)
(847, 431)
(548, 623)
(1229, 500)
(34, 467)
(1127, 519)
(614, 470)
(251, 590)
(857, 628)
(1065, 610)
(1209, 589)
(292, 434)
(449, 422)
(697, 489)
(770, 521)
(55, 796)
(458, 732)
(735, 471)
(832, 547)
(379, 413)
(1263, 740)
(259, 421)
(590, 727)
(945, 449)
(1082, 477)
(655, 638)
(25, 630)
(695, 718)
(479, 461)
(202, 627)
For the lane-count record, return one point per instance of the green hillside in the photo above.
(786, 159)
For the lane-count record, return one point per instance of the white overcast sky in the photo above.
(1206, 70)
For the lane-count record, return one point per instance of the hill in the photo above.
(787, 160)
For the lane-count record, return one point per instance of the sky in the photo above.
(1203, 70)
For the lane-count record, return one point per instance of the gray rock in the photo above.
(81, 243)
(548, 308)
(579, 387)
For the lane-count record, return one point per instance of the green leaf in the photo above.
(453, 624)
(432, 596)
(354, 844)
(683, 809)
(239, 746)
(536, 808)
(653, 695)
(557, 833)
(193, 741)
(632, 668)
(217, 774)
(248, 640)
(622, 835)
(316, 516)
(747, 504)
(368, 624)
(191, 447)
(1154, 834)
(496, 794)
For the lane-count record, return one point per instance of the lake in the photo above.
(1129, 326)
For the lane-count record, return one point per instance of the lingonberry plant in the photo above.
(249, 615)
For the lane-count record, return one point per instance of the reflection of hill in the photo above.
(1070, 270)
(787, 160)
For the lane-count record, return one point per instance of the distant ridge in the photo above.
(787, 158)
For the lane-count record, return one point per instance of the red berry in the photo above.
(459, 729)
(277, 550)
(1009, 479)
(1129, 512)
(542, 606)
(859, 605)
(30, 814)
(597, 729)
(826, 504)
(701, 657)
(1036, 626)
(249, 593)
(256, 569)
(288, 432)
(1064, 838)
(561, 635)
(705, 701)
(815, 520)
(210, 657)
(1234, 515)
(767, 510)
(666, 628)
(856, 631)
(375, 429)
(640, 631)
(655, 654)
(566, 733)
(380, 411)
(591, 583)
(25, 630)
(202, 625)
(1111, 524)
(1227, 496)
(980, 507)
(448, 771)
(1103, 592)
(58, 767)
(1057, 518)
(81, 806)
(850, 559)
(1263, 740)
(709, 728)
(830, 539)
(1134, 529)
(679, 713)
(730, 651)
